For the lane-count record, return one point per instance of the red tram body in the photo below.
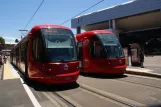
(99, 51)
(48, 55)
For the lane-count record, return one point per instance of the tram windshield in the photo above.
(60, 45)
(112, 46)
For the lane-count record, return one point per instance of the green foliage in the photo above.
(2, 40)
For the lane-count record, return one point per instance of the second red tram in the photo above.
(99, 51)
(48, 55)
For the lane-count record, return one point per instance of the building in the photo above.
(136, 21)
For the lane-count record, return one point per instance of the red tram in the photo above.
(48, 55)
(99, 51)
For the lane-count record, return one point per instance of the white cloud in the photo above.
(9, 40)
(10, 43)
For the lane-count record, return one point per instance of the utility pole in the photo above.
(23, 30)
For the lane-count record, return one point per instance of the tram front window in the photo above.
(112, 46)
(60, 45)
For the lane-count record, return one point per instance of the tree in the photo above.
(2, 40)
(16, 41)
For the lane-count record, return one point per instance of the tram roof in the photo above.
(89, 34)
(37, 27)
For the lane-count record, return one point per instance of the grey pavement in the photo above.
(13, 94)
(153, 63)
(152, 67)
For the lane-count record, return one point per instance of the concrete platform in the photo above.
(142, 72)
(13, 94)
(7, 73)
(152, 67)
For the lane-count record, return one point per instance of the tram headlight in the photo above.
(120, 62)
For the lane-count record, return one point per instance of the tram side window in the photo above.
(37, 49)
(96, 49)
(91, 48)
(80, 50)
(22, 53)
(39, 55)
(34, 48)
(17, 54)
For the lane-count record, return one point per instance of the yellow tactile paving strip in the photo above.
(7, 73)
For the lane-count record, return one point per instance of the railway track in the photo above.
(116, 98)
(142, 84)
(62, 101)
(58, 100)
(139, 83)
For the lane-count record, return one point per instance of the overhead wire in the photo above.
(64, 21)
(82, 12)
(22, 34)
(34, 14)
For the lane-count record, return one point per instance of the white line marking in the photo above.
(27, 89)
(32, 97)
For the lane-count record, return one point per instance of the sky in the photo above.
(14, 14)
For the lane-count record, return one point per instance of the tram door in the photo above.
(26, 57)
(17, 57)
(80, 54)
